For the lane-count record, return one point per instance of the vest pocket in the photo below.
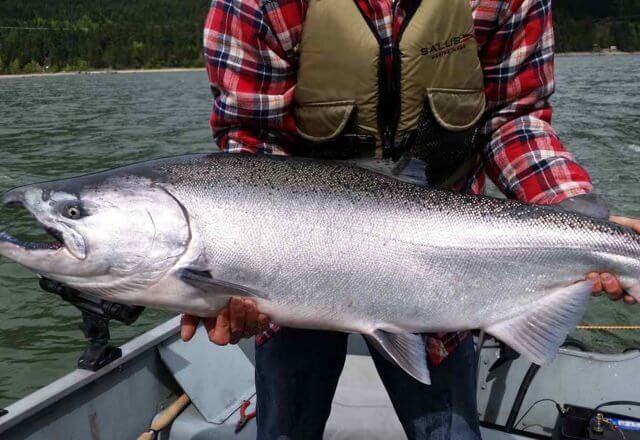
(446, 133)
(456, 109)
(322, 121)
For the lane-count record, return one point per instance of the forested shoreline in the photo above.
(58, 35)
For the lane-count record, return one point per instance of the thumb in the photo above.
(626, 221)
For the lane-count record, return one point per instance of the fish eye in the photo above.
(73, 212)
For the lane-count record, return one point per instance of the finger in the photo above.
(263, 322)
(594, 277)
(628, 299)
(188, 325)
(222, 332)
(626, 221)
(210, 326)
(237, 315)
(251, 319)
(611, 286)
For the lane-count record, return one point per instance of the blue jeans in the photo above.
(297, 373)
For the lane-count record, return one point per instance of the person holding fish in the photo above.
(462, 85)
(379, 78)
(441, 94)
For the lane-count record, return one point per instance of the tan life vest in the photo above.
(435, 92)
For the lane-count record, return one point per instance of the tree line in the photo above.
(58, 35)
(585, 25)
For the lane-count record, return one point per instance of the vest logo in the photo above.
(446, 47)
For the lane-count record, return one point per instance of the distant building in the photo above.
(611, 50)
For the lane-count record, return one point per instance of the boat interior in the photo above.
(197, 390)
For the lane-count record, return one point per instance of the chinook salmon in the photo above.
(324, 246)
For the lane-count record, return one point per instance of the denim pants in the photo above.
(297, 373)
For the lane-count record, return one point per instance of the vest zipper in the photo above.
(384, 88)
(389, 85)
(387, 141)
(395, 89)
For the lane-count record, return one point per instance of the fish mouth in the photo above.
(53, 255)
(56, 243)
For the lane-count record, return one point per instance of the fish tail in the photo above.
(632, 286)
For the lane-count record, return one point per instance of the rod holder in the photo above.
(96, 315)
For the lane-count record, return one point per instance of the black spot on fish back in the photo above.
(294, 175)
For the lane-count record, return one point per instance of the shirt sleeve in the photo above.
(249, 51)
(522, 153)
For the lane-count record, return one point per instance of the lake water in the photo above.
(52, 127)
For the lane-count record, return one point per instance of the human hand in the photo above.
(239, 319)
(608, 283)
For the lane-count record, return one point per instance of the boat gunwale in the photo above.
(71, 382)
(627, 355)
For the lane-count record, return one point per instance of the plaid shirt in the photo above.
(251, 58)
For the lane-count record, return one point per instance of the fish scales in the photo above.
(328, 246)
(400, 239)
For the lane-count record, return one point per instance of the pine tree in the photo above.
(14, 67)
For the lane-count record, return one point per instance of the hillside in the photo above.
(582, 24)
(100, 34)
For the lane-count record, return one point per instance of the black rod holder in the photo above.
(96, 314)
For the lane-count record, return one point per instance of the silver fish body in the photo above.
(326, 246)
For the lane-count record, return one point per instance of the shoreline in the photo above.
(198, 69)
(596, 54)
(105, 72)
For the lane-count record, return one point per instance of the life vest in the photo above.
(429, 107)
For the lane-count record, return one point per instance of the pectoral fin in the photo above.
(406, 350)
(202, 279)
(539, 333)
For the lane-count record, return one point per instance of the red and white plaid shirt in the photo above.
(251, 60)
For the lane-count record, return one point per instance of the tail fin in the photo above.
(631, 286)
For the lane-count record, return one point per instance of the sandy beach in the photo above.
(108, 72)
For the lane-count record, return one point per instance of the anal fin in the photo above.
(406, 350)
(539, 333)
(202, 279)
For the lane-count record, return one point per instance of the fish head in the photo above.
(111, 232)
